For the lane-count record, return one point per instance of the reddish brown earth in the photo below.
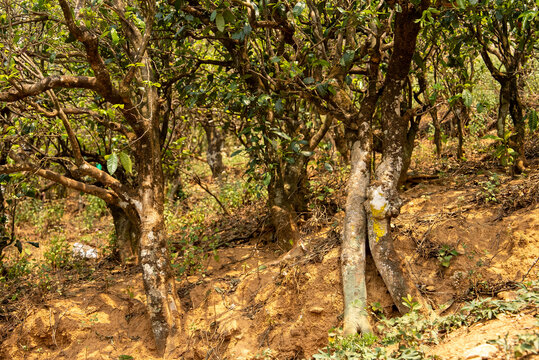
(251, 305)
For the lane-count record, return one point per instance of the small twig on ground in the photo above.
(530, 269)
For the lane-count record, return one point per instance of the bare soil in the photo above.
(252, 305)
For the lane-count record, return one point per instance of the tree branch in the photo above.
(22, 91)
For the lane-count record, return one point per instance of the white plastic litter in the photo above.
(84, 251)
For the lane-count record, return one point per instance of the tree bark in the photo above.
(515, 109)
(462, 118)
(437, 133)
(215, 141)
(157, 274)
(286, 196)
(354, 241)
(127, 236)
(384, 202)
(503, 108)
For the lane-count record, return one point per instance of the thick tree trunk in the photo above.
(383, 199)
(354, 241)
(157, 274)
(159, 282)
(287, 198)
(127, 236)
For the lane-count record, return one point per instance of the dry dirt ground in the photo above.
(246, 306)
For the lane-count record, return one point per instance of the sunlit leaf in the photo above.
(112, 163)
(127, 164)
(220, 22)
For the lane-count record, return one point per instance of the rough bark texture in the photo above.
(157, 275)
(354, 242)
(127, 236)
(383, 198)
(286, 195)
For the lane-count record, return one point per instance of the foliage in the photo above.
(413, 330)
(58, 255)
(17, 267)
(489, 188)
(95, 208)
(445, 254)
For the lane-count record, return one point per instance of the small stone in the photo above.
(316, 310)
(485, 351)
(229, 328)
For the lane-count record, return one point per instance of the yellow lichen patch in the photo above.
(378, 227)
(378, 213)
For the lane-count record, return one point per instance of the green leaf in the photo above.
(220, 22)
(328, 167)
(282, 134)
(467, 97)
(322, 89)
(308, 80)
(237, 152)
(112, 163)
(347, 57)
(267, 179)
(114, 36)
(533, 121)
(306, 153)
(279, 108)
(213, 15)
(492, 137)
(127, 164)
(125, 357)
(298, 8)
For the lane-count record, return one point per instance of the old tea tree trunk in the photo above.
(372, 203)
(138, 104)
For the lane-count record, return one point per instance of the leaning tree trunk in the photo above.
(384, 202)
(354, 240)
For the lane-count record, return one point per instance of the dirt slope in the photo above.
(250, 305)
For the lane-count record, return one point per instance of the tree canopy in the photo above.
(95, 95)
